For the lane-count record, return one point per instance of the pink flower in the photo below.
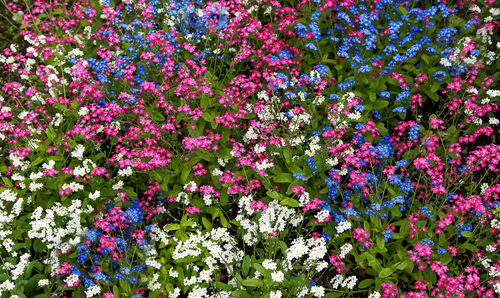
(192, 210)
(360, 234)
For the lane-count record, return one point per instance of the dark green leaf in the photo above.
(365, 283)
(385, 272)
(245, 266)
(252, 282)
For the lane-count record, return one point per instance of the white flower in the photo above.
(125, 172)
(7, 285)
(118, 185)
(78, 152)
(336, 281)
(92, 291)
(275, 294)
(8, 244)
(321, 265)
(343, 226)
(176, 293)
(374, 295)
(43, 282)
(490, 248)
(303, 292)
(71, 280)
(277, 276)
(95, 195)
(173, 273)
(345, 249)
(198, 292)
(269, 265)
(318, 291)
(153, 284)
(350, 282)
(216, 172)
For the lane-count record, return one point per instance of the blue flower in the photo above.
(414, 132)
(401, 163)
(334, 97)
(387, 235)
(441, 251)
(326, 236)
(399, 110)
(299, 176)
(427, 241)
(315, 16)
(311, 46)
(424, 210)
(93, 235)
(322, 70)
(125, 271)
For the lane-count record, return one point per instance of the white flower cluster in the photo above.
(318, 291)
(78, 152)
(271, 221)
(492, 270)
(339, 281)
(313, 249)
(495, 223)
(342, 227)
(73, 186)
(51, 233)
(85, 169)
(125, 172)
(313, 146)
(218, 247)
(264, 164)
(153, 284)
(92, 291)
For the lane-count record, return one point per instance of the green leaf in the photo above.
(51, 133)
(185, 173)
(283, 177)
(377, 105)
(365, 283)
(274, 195)
(172, 227)
(468, 246)
(372, 96)
(242, 294)
(223, 221)
(385, 272)
(130, 191)
(260, 268)
(7, 181)
(245, 266)
(157, 116)
(187, 223)
(402, 265)
(380, 242)
(223, 286)
(116, 291)
(253, 282)
(467, 234)
(206, 223)
(207, 117)
(435, 87)
(290, 202)
(287, 155)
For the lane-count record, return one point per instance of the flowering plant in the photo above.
(312, 148)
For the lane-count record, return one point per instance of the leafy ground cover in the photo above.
(313, 148)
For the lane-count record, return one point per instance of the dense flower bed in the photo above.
(238, 148)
